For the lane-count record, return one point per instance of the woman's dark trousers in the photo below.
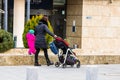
(45, 54)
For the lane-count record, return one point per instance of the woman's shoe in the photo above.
(36, 64)
(50, 63)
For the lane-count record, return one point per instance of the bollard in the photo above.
(32, 73)
(92, 72)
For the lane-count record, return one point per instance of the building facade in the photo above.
(17, 12)
(90, 24)
(97, 24)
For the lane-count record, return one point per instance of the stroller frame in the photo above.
(64, 59)
(57, 64)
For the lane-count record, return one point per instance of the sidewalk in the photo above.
(105, 72)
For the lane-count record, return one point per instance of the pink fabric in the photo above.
(31, 43)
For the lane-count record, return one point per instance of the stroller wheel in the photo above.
(64, 65)
(78, 64)
(57, 64)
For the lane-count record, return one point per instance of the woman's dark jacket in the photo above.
(40, 32)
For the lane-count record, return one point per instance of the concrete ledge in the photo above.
(20, 57)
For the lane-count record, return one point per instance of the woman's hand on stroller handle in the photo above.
(55, 36)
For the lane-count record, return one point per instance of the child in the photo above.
(31, 41)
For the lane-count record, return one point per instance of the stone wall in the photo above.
(97, 24)
(74, 13)
(101, 25)
(21, 57)
(12, 60)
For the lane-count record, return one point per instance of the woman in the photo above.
(40, 42)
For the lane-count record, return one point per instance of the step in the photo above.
(21, 57)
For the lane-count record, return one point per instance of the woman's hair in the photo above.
(44, 20)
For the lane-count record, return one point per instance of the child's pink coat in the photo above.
(31, 41)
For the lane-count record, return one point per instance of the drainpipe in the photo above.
(28, 9)
(6, 15)
(1, 12)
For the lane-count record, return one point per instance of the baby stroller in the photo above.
(66, 56)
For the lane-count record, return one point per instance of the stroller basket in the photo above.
(53, 48)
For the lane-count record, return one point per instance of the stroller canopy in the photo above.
(61, 40)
